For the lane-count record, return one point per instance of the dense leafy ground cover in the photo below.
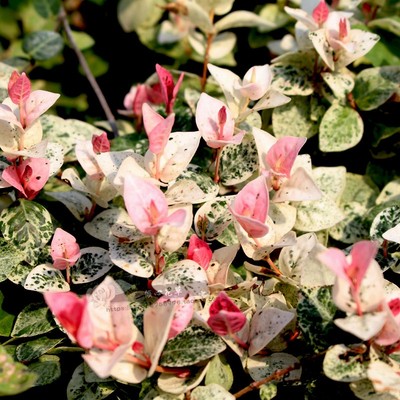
(212, 213)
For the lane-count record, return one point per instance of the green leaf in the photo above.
(341, 364)
(316, 312)
(83, 40)
(27, 225)
(34, 319)
(241, 19)
(28, 351)
(220, 372)
(47, 368)
(47, 8)
(42, 45)
(292, 80)
(340, 84)
(374, 86)
(268, 391)
(238, 162)
(191, 346)
(390, 24)
(79, 389)
(211, 391)
(10, 257)
(274, 14)
(14, 377)
(6, 319)
(341, 128)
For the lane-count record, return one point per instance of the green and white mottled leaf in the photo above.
(273, 14)
(191, 346)
(364, 390)
(268, 391)
(292, 80)
(35, 319)
(79, 389)
(100, 226)
(217, 215)
(299, 113)
(383, 221)
(42, 45)
(211, 391)
(390, 23)
(316, 215)
(55, 153)
(46, 278)
(331, 181)
(186, 275)
(27, 225)
(136, 258)
(391, 191)
(341, 129)
(340, 364)
(35, 348)
(220, 372)
(5, 74)
(10, 256)
(259, 367)
(47, 368)
(238, 162)
(157, 394)
(199, 17)
(76, 202)
(93, 263)
(15, 377)
(374, 86)
(19, 274)
(228, 236)
(341, 84)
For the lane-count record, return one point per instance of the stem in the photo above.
(210, 38)
(275, 376)
(88, 72)
(239, 341)
(157, 162)
(68, 274)
(159, 368)
(158, 257)
(217, 162)
(273, 266)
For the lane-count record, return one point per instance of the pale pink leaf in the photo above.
(38, 103)
(335, 260)
(19, 87)
(65, 252)
(256, 82)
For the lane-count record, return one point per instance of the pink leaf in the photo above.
(320, 13)
(168, 89)
(71, 312)
(65, 252)
(38, 103)
(199, 251)
(100, 143)
(29, 176)
(19, 88)
(250, 207)
(157, 128)
(282, 154)
(225, 316)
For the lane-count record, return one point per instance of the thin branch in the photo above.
(82, 60)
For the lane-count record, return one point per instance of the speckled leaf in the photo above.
(10, 257)
(341, 129)
(43, 45)
(54, 153)
(292, 80)
(268, 391)
(260, 367)
(35, 348)
(211, 391)
(191, 346)
(66, 131)
(157, 394)
(27, 225)
(340, 84)
(340, 364)
(220, 372)
(383, 221)
(364, 389)
(19, 273)
(331, 181)
(100, 226)
(313, 216)
(316, 312)
(76, 202)
(46, 278)
(136, 258)
(298, 112)
(228, 236)
(238, 162)
(186, 275)
(18, 378)
(265, 326)
(93, 263)
(78, 388)
(217, 215)
(391, 191)
(318, 39)
(33, 320)
(5, 74)
(47, 368)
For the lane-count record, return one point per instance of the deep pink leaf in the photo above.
(100, 143)
(19, 88)
(199, 251)
(65, 252)
(320, 13)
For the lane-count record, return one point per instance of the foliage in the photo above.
(230, 234)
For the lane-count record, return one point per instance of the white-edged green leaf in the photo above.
(35, 348)
(27, 225)
(78, 388)
(341, 129)
(222, 45)
(383, 221)
(341, 84)
(211, 391)
(186, 275)
(93, 263)
(191, 346)
(238, 161)
(33, 320)
(136, 258)
(241, 19)
(390, 23)
(42, 45)
(199, 17)
(46, 278)
(260, 367)
(220, 372)
(340, 364)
